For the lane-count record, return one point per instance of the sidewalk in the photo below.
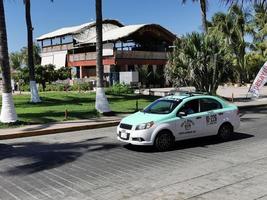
(67, 126)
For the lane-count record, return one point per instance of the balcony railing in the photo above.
(82, 56)
(55, 48)
(147, 55)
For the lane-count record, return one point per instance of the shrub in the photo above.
(24, 87)
(119, 89)
(82, 86)
(56, 87)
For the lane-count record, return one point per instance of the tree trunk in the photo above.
(214, 76)
(34, 92)
(203, 6)
(8, 113)
(102, 104)
(43, 85)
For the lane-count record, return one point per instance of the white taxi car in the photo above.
(179, 117)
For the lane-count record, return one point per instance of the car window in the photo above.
(209, 104)
(162, 106)
(190, 107)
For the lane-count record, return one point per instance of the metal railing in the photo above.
(149, 55)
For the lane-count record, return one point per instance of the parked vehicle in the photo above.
(179, 117)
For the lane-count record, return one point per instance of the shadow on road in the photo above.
(254, 110)
(32, 157)
(191, 143)
(259, 111)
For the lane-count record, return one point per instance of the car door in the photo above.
(191, 124)
(212, 112)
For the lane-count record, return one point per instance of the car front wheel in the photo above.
(164, 141)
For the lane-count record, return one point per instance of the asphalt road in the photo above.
(94, 165)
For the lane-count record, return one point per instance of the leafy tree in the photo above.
(63, 73)
(150, 75)
(242, 2)
(36, 54)
(199, 60)
(8, 113)
(45, 74)
(159, 76)
(258, 28)
(16, 60)
(233, 26)
(254, 62)
(204, 7)
(23, 75)
(143, 75)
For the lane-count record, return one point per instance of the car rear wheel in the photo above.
(164, 141)
(225, 131)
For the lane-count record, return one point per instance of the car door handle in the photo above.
(220, 113)
(198, 117)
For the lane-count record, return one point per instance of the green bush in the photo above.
(61, 87)
(56, 87)
(119, 89)
(24, 87)
(82, 86)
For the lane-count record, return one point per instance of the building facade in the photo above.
(125, 48)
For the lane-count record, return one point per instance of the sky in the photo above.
(47, 16)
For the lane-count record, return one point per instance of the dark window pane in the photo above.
(190, 107)
(162, 107)
(209, 104)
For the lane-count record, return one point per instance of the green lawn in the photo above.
(79, 106)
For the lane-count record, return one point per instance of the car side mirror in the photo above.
(181, 114)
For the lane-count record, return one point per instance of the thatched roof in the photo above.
(75, 29)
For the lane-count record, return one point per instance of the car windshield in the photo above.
(162, 106)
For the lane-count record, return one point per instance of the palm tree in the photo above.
(36, 54)
(8, 113)
(241, 2)
(203, 7)
(233, 26)
(16, 60)
(201, 60)
(34, 91)
(101, 104)
(237, 38)
(258, 28)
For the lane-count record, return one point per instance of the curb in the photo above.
(59, 130)
(251, 106)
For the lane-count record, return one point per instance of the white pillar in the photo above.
(34, 92)
(101, 103)
(81, 72)
(8, 113)
(154, 68)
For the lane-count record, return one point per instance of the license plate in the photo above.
(123, 134)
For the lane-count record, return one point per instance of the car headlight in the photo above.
(144, 126)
